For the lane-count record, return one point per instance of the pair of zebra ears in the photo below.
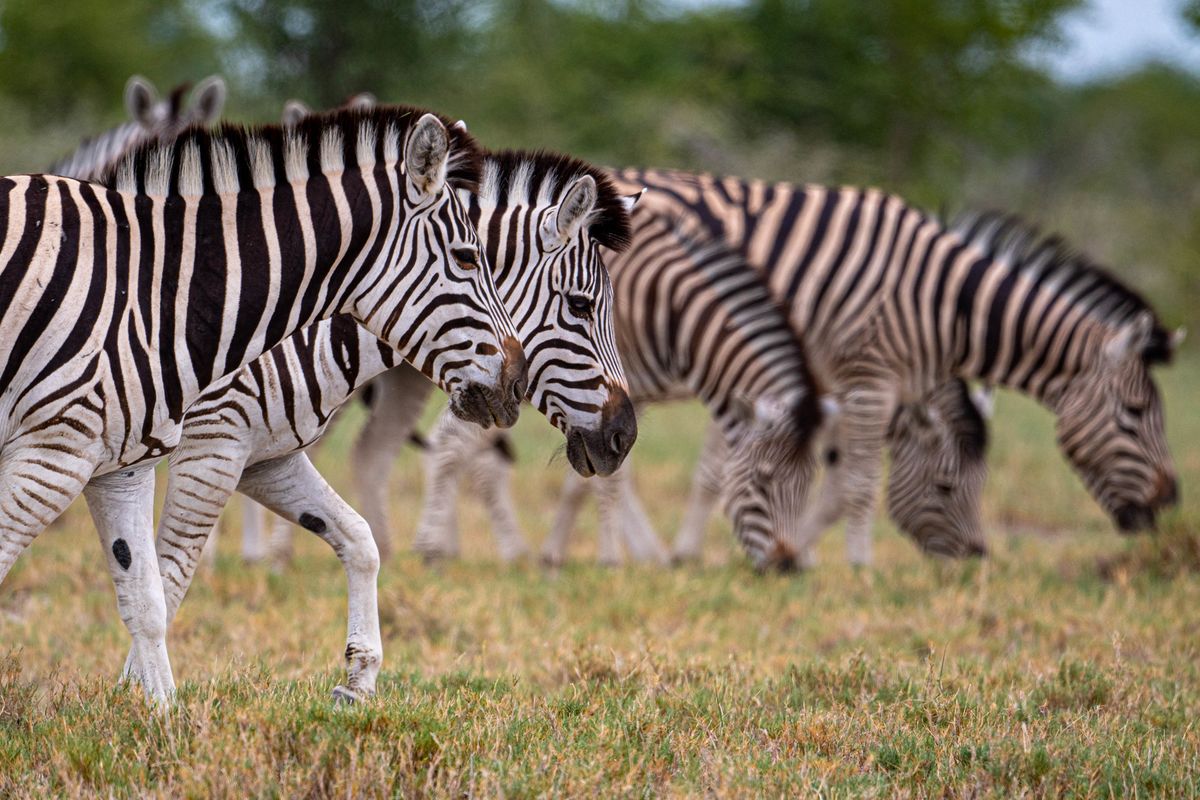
(768, 410)
(295, 111)
(577, 209)
(1141, 338)
(144, 106)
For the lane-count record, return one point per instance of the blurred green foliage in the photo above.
(937, 99)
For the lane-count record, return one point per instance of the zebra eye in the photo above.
(944, 488)
(1135, 411)
(467, 257)
(580, 306)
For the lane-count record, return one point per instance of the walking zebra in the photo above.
(692, 321)
(120, 302)
(151, 119)
(247, 432)
(892, 303)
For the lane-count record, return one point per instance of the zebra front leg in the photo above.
(292, 488)
(574, 492)
(852, 479)
(623, 519)
(122, 506)
(399, 396)
(491, 473)
(702, 499)
(254, 542)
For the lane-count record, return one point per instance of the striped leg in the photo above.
(122, 505)
(400, 396)
(292, 488)
(491, 475)
(29, 502)
(254, 541)
(453, 445)
(624, 519)
(852, 483)
(702, 499)
(574, 493)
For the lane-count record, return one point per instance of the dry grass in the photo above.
(1065, 665)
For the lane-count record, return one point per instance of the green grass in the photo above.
(1067, 664)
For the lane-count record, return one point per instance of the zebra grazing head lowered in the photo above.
(1088, 343)
(939, 467)
(768, 473)
(152, 118)
(544, 220)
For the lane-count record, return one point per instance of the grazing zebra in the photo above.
(247, 432)
(121, 301)
(151, 119)
(692, 320)
(892, 303)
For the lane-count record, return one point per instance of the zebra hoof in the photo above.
(345, 696)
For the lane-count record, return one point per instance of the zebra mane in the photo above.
(523, 177)
(231, 158)
(1048, 259)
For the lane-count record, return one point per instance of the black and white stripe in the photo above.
(120, 302)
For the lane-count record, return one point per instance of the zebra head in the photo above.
(769, 470)
(1110, 425)
(544, 220)
(431, 295)
(939, 469)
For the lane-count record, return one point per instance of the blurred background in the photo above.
(1085, 116)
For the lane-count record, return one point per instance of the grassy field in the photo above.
(1067, 664)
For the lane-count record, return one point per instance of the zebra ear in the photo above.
(294, 112)
(425, 155)
(361, 101)
(1177, 338)
(208, 100)
(630, 200)
(984, 399)
(460, 125)
(140, 99)
(576, 206)
(1131, 339)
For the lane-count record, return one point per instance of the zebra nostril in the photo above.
(616, 442)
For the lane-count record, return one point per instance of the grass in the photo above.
(1067, 664)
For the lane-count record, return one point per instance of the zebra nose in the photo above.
(1166, 492)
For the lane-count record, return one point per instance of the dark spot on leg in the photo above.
(121, 553)
(312, 522)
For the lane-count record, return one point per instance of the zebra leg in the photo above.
(28, 504)
(399, 398)
(703, 497)
(574, 492)
(292, 488)
(122, 506)
(254, 543)
(453, 445)
(851, 484)
(492, 475)
(623, 519)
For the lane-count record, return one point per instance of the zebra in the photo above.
(249, 430)
(151, 119)
(121, 301)
(937, 474)
(692, 321)
(892, 303)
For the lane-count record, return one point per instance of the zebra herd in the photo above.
(213, 295)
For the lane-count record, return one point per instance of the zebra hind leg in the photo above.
(292, 488)
(122, 506)
(491, 473)
(623, 518)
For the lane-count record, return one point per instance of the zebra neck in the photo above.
(266, 264)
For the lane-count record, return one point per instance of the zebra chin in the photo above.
(484, 406)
